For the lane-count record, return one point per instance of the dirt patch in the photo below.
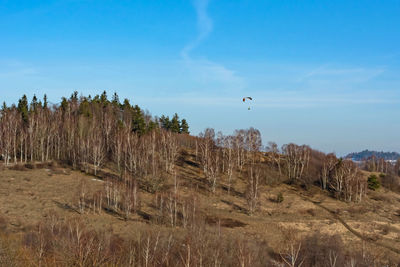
(224, 222)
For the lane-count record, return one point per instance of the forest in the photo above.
(365, 154)
(140, 157)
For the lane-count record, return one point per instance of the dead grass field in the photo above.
(29, 195)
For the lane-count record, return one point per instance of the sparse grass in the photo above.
(30, 194)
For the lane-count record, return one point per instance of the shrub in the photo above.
(18, 167)
(30, 166)
(279, 197)
(3, 223)
(390, 181)
(373, 182)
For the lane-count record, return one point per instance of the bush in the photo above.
(279, 197)
(3, 223)
(18, 167)
(30, 166)
(391, 181)
(373, 182)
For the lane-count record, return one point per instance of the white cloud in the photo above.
(213, 75)
(278, 100)
(204, 70)
(341, 74)
(204, 24)
(16, 69)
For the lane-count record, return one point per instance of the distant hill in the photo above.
(368, 153)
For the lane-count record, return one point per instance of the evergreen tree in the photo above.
(138, 123)
(115, 100)
(45, 101)
(103, 98)
(184, 127)
(373, 182)
(151, 126)
(165, 122)
(84, 108)
(96, 99)
(34, 104)
(23, 108)
(74, 96)
(126, 105)
(175, 124)
(64, 104)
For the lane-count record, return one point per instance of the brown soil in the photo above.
(27, 196)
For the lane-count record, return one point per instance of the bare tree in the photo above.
(275, 155)
(210, 158)
(7, 135)
(213, 169)
(230, 160)
(240, 148)
(291, 256)
(297, 159)
(347, 181)
(206, 145)
(82, 194)
(253, 143)
(98, 149)
(169, 149)
(329, 163)
(253, 188)
(130, 197)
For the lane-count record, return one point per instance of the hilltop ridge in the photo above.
(365, 154)
(95, 182)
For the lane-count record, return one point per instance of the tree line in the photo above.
(93, 133)
(70, 242)
(79, 130)
(224, 158)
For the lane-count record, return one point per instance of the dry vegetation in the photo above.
(43, 222)
(102, 186)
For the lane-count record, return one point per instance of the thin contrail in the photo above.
(204, 24)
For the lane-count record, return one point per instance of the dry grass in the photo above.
(29, 195)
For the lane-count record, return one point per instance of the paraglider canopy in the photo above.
(249, 98)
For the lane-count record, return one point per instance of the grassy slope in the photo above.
(28, 196)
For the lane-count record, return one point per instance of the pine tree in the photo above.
(103, 98)
(151, 126)
(84, 108)
(45, 101)
(126, 105)
(138, 123)
(184, 128)
(64, 104)
(23, 108)
(175, 124)
(74, 96)
(115, 100)
(373, 182)
(165, 122)
(34, 104)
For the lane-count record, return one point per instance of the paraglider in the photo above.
(249, 98)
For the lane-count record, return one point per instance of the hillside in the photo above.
(94, 182)
(366, 154)
(50, 195)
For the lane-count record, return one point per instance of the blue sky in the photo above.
(323, 73)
